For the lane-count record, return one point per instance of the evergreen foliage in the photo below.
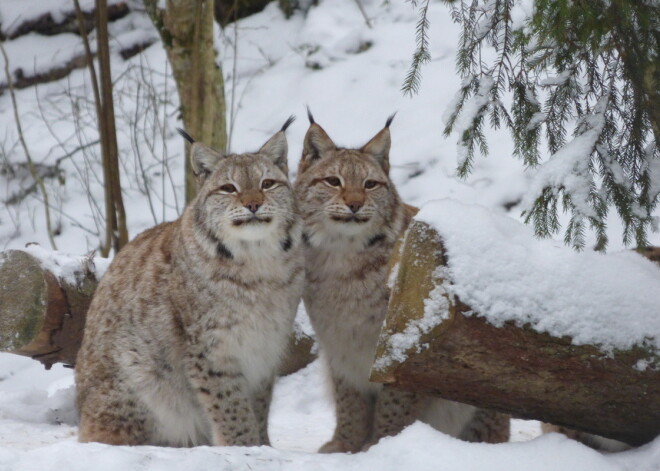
(581, 77)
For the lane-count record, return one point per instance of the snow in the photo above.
(350, 76)
(302, 326)
(505, 274)
(66, 266)
(568, 168)
(436, 310)
(37, 431)
(473, 108)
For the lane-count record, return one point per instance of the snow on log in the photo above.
(44, 297)
(483, 313)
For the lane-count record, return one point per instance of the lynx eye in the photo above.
(369, 184)
(228, 188)
(267, 184)
(333, 181)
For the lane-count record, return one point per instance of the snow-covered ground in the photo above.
(350, 76)
(37, 432)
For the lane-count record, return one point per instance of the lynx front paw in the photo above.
(338, 446)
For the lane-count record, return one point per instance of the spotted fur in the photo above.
(188, 326)
(352, 218)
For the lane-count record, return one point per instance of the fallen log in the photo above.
(63, 22)
(44, 300)
(433, 342)
(42, 315)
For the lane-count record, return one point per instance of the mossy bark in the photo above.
(41, 316)
(511, 369)
(186, 29)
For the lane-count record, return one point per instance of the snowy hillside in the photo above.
(350, 76)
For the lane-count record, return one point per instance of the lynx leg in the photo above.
(395, 410)
(354, 410)
(111, 421)
(487, 426)
(222, 391)
(262, 399)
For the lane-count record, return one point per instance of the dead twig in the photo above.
(33, 171)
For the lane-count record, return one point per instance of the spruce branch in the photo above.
(578, 69)
(421, 55)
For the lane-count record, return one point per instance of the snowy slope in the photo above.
(350, 76)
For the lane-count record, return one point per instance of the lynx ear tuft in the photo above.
(379, 147)
(288, 122)
(203, 160)
(390, 119)
(309, 116)
(186, 136)
(276, 148)
(316, 143)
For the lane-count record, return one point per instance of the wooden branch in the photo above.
(107, 120)
(510, 369)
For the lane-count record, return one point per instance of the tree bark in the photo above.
(117, 220)
(41, 316)
(116, 231)
(511, 369)
(186, 28)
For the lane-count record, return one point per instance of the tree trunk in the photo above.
(116, 231)
(43, 316)
(186, 28)
(116, 220)
(510, 369)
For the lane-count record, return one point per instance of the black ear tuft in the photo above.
(309, 116)
(389, 120)
(288, 122)
(186, 136)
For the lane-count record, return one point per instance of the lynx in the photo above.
(188, 326)
(352, 218)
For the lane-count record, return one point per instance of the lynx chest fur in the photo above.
(188, 327)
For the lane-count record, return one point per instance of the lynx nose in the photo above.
(253, 206)
(354, 206)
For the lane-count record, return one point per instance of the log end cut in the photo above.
(23, 297)
(42, 316)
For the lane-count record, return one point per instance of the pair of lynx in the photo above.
(187, 328)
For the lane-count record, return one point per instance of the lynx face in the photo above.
(345, 193)
(244, 197)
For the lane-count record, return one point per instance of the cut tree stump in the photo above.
(43, 316)
(511, 369)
